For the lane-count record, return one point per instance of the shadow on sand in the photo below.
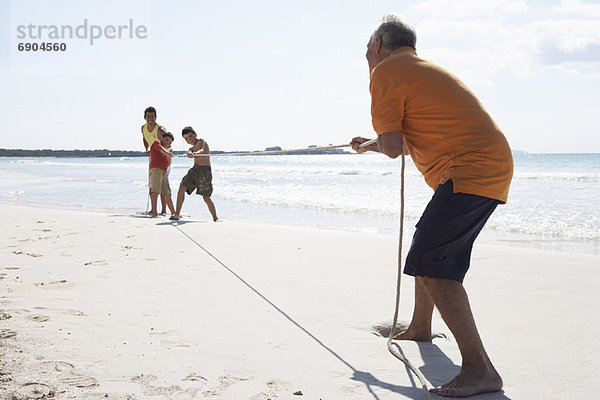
(161, 219)
(438, 367)
(180, 222)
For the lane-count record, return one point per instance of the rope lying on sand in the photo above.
(267, 152)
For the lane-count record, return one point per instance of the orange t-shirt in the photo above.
(448, 133)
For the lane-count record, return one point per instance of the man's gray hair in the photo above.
(395, 33)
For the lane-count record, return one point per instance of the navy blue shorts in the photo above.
(441, 246)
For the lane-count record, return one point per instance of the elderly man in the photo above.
(420, 109)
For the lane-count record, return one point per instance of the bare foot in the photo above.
(413, 334)
(469, 383)
(175, 217)
(216, 220)
(163, 213)
(153, 215)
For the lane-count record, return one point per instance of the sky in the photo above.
(254, 74)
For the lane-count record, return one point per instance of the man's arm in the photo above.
(389, 143)
(392, 144)
(146, 144)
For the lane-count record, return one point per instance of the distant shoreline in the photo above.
(126, 153)
(104, 153)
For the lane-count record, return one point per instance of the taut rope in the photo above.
(267, 152)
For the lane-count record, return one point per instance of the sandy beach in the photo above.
(98, 306)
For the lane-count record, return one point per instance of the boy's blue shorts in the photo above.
(441, 246)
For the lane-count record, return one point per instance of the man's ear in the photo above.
(378, 45)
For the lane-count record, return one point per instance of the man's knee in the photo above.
(435, 284)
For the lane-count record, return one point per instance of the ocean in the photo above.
(552, 202)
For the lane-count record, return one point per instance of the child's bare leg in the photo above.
(150, 197)
(180, 199)
(211, 207)
(170, 204)
(163, 201)
(153, 201)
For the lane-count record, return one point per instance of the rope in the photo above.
(394, 348)
(267, 152)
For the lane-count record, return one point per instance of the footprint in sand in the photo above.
(76, 313)
(66, 374)
(38, 318)
(384, 330)
(4, 316)
(7, 334)
(100, 262)
(32, 390)
(5, 377)
(195, 377)
(60, 366)
(50, 283)
(67, 311)
(225, 382)
(171, 339)
(28, 254)
(79, 381)
(273, 387)
(151, 390)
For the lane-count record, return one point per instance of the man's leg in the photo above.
(211, 207)
(420, 325)
(180, 198)
(477, 374)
